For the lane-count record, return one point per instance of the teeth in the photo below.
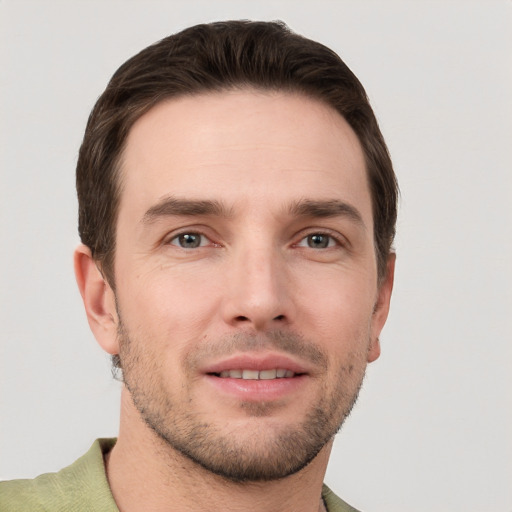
(277, 373)
(250, 375)
(268, 374)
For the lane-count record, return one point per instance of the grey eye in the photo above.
(188, 240)
(319, 241)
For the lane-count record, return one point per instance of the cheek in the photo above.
(339, 302)
(337, 316)
(166, 306)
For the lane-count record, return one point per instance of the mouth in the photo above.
(249, 374)
(257, 377)
(256, 366)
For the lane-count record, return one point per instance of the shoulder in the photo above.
(335, 503)
(80, 486)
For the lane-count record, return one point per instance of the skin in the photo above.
(272, 280)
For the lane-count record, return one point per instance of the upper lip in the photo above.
(256, 361)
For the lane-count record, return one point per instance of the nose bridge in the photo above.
(257, 292)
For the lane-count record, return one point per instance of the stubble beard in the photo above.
(262, 454)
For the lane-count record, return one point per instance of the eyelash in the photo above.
(332, 241)
(176, 238)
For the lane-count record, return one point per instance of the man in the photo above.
(237, 207)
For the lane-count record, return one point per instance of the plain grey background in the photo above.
(432, 429)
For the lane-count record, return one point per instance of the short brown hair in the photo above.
(215, 57)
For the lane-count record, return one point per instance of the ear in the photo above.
(98, 298)
(381, 308)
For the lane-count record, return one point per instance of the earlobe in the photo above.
(381, 309)
(373, 350)
(98, 298)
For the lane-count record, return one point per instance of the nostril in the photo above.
(242, 318)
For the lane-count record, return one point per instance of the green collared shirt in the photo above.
(83, 487)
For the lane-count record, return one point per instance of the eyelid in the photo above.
(338, 238)
(189, 230)
(175, 238)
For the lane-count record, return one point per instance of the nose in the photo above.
(258, 290)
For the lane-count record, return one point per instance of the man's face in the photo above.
(246, 281)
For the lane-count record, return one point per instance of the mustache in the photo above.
(285, 342)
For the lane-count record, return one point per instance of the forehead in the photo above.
(239, 146)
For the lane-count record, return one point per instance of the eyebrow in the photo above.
(173, 206)
(325, 209)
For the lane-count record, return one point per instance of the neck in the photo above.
(145, 473)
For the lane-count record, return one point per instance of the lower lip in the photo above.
(257, 390)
